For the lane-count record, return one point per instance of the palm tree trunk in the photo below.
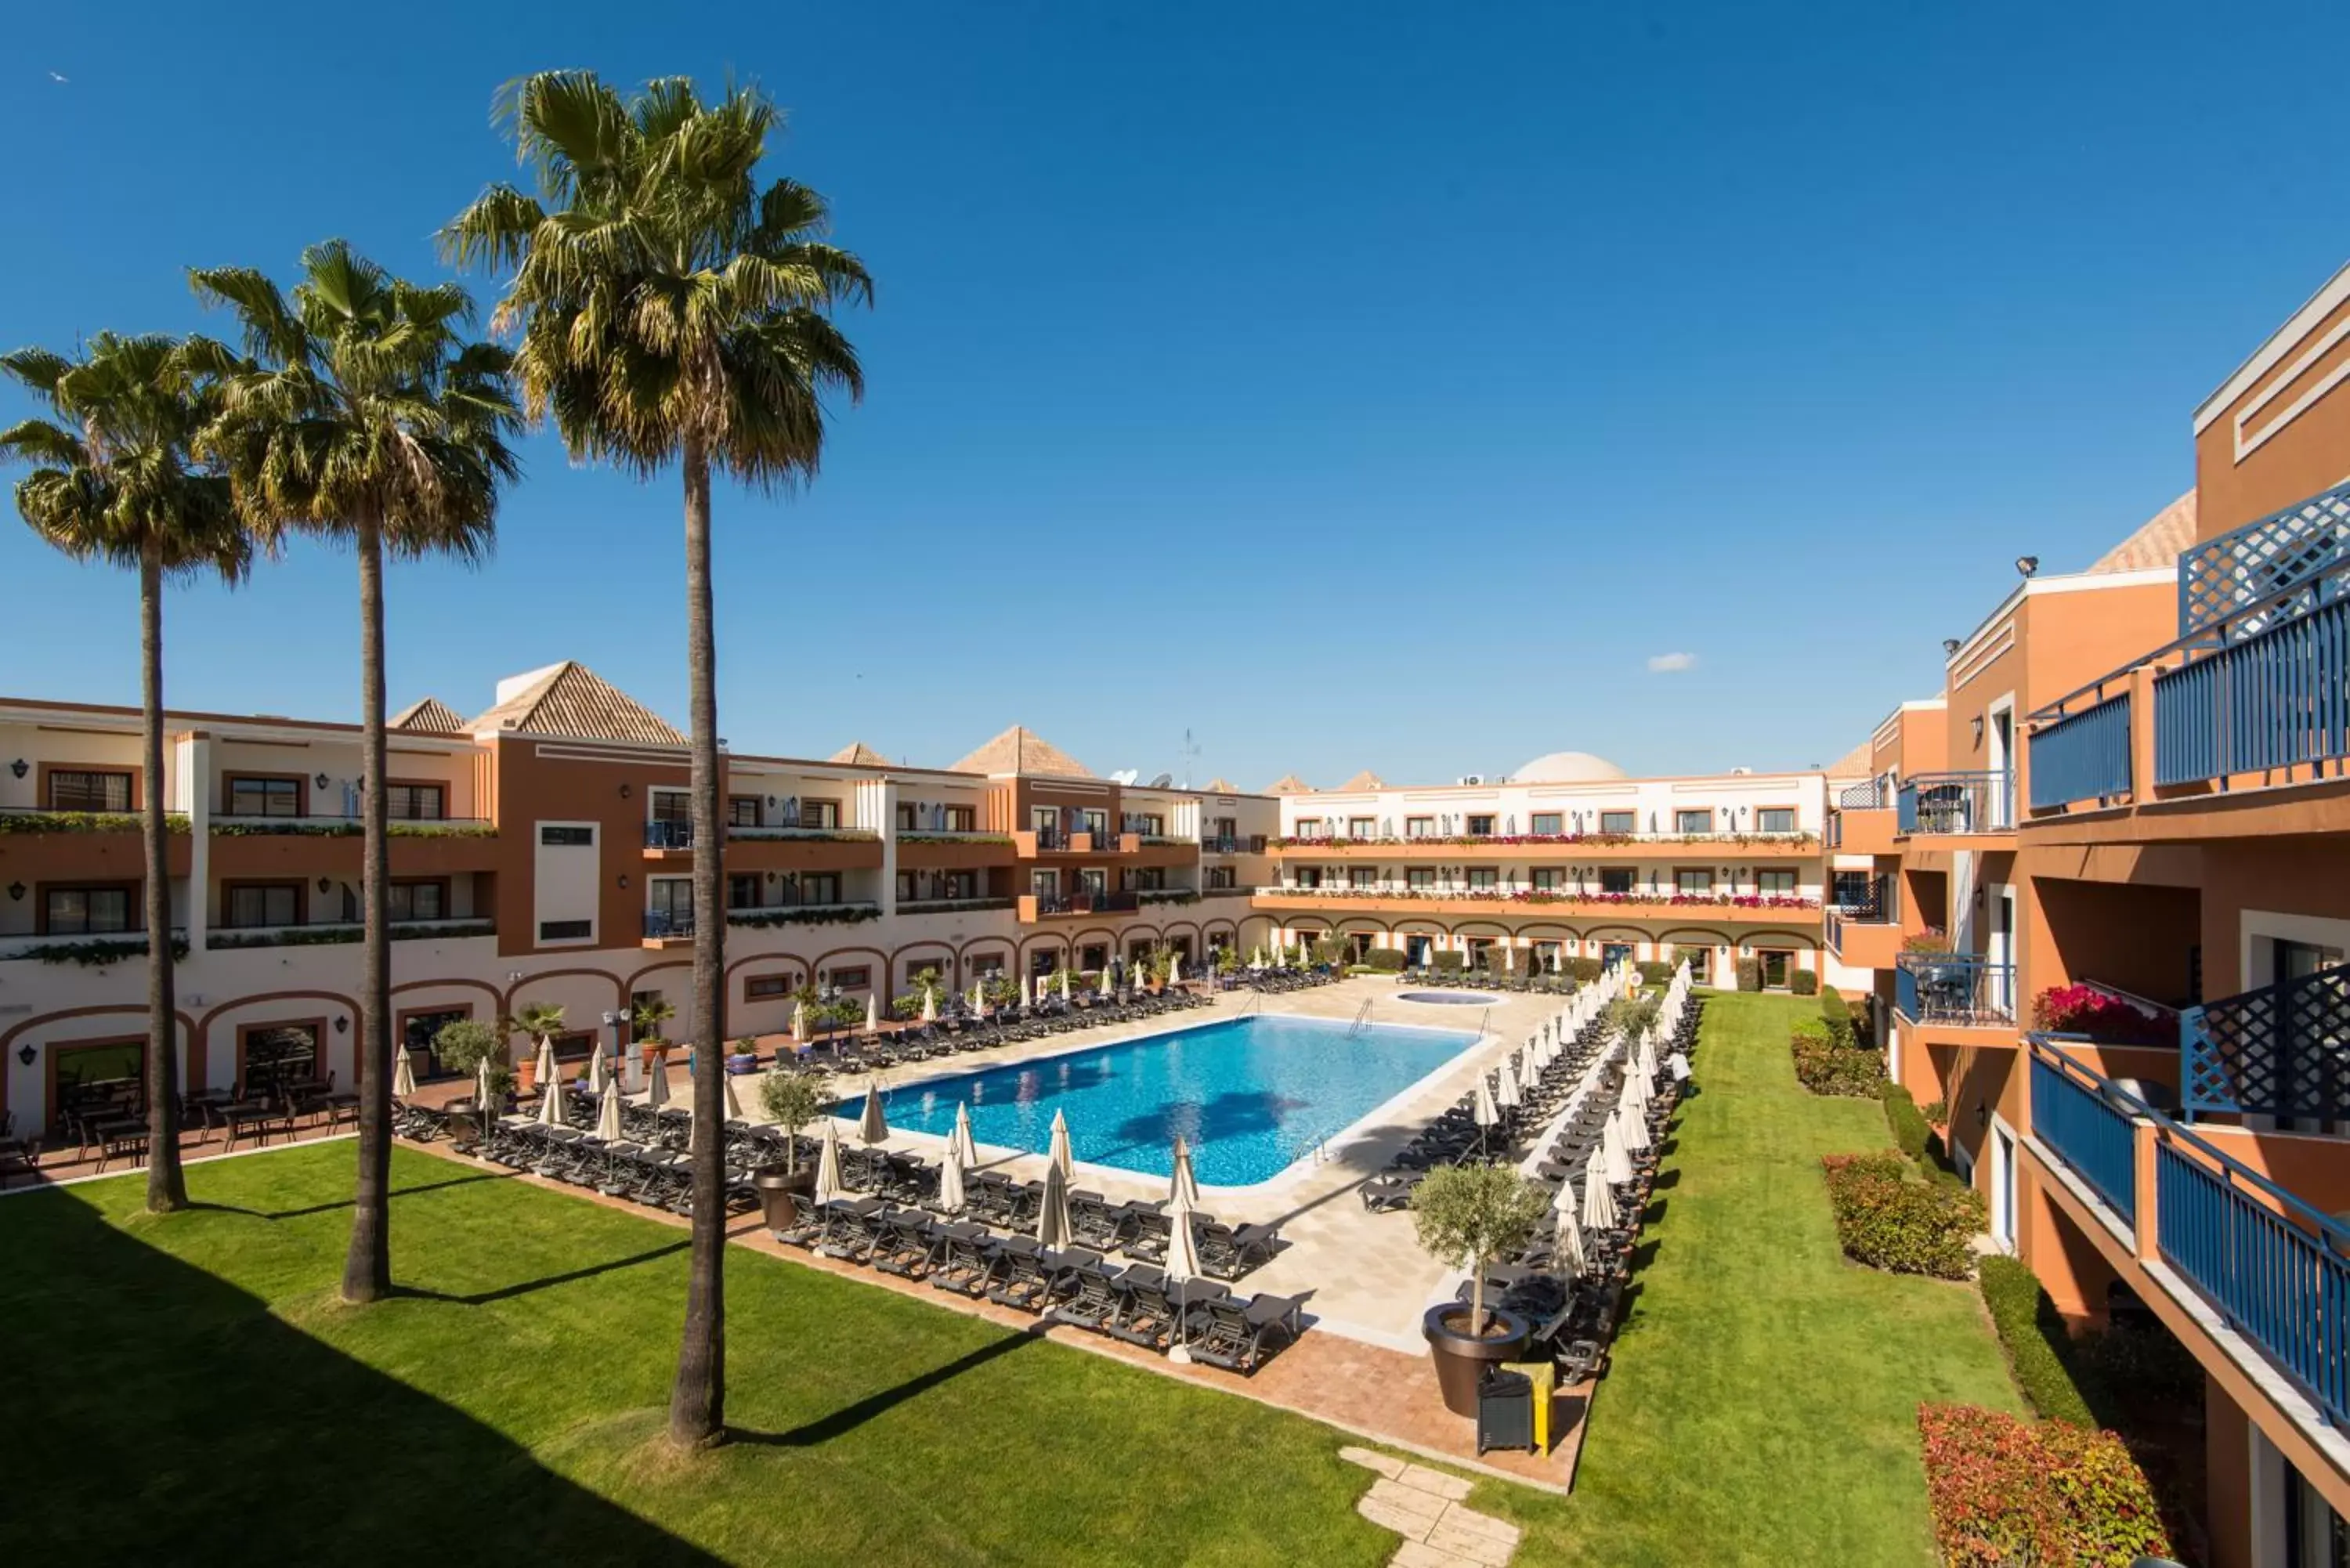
(167, 1186)
(366, 1269)
(697, 1406)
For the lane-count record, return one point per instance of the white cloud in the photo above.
(1671, 663)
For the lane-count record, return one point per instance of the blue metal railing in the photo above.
(2082, 756)
(2271, 700)
(2282, 1050)
(669, 835)
(2087, 1131)
(668, 922)
(1956, 803)
(2285, 553)
(2273, 1266)
(1954, 988)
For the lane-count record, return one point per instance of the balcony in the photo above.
(1535, 904)
(1063, 906)
(1233, 844)
(92, 949)
(1041, 841)
(669, 835)
(330, 933)
(2253, 692)
(1544, 847)
(1861, 820)
(1956, 806)
(1960, 990)
(1863, 930)
(953, 906)
(2243, 1259)
(2281, 1051)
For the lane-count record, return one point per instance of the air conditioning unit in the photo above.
(1469, 779)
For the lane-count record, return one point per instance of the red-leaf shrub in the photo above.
(1827, 1068)
(1887, 1221)
(2084, 1010)
(2050, 1494)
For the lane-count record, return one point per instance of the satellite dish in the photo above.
(1125, 775)
(1163, 781)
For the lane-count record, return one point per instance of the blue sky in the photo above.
(1356, 385)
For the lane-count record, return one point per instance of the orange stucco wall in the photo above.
(2303, 452)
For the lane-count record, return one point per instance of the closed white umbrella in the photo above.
(1633, 1128)
(657, 1083)
(951, 1197)
(1052, 1213)
(873, 1126)
(873, 1014)
(1599, 1211)
(1063, 1159)
(607, 1115)
(598, 1078)
(545, 1062)
(1567, 1244)
(1614, 1165)
(1529, 1070)
(962, 1140)
(1485, 1111)
(930, 1005)
(1508, 1098)
(1104, 980)
(550, 1099)
(1182, 1263)
(1065, 985)
(1174, 969)
(1182, 1187)
(799, 1020)
(403, 1073)
(978, 998)
(827, 1165)
(481, 1091)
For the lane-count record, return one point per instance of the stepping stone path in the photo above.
(1424, 1507)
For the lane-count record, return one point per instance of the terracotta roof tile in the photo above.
(430, 717)
(1022, 751)
(569, 699)
(1857, 763)
(1289, 784)
(1365, 780)
(857, 753)
(2156, 543)
(1222, 786)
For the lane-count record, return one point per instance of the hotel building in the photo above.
(2108, 909)
(542, 852)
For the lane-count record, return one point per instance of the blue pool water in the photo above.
(1250, 1094)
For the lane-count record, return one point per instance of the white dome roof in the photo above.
(1567, 767)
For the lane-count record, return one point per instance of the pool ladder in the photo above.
(1362, 1020)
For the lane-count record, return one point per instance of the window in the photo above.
(77, 911)
(1693, 821)
(820, 887)
(1701, 962)
(567, 838)
(1419, 827)
(905, 886)
(1151, 824)
(279, 1054)
(819, 814)
(1150, 878)
(1615, 878)
(1545, 878)
(565, 930)
(671, 805)
(855, 977)
(1545, 822)
(743, 892)
(1777, 964)
(1098, 824)
(1361, 826)
(959, 885)
(1220, 877)
(1045, 883)
(418, 900)
(742, 811)
(1309, 875)
(264, 904)
(1420, 878)
(418, 1030)
(86, 789)
(1093, 881)
(1363, 876)
(984, 966)
(415, 802)
(1693, 880)
(1480, 828)
(1855, 891)
(671, 896)
(1309, 827)
(908, 819)
(1617, 822)
(962, 819)
(938, 965)
(1483, 878)
(1779, 881)
(1776, 819)
(252, 796)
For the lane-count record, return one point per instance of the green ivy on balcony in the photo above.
(85, 821)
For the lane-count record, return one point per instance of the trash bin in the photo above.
(1505, 1412)
(1544, 1376)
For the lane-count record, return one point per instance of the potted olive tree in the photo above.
(793, 1100)
(1467, 1216)
(463, 1046)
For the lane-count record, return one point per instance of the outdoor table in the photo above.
(240, 1116)
(122, 1136)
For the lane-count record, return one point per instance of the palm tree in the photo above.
(363, 413)
(672, 309)
(114, 480)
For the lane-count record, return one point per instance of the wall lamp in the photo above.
(20, 767)
(25, 1054)
(320, 781)
(342, 1023)
(1949, 646)
(626, 790)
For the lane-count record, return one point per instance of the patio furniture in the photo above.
(122, 1137)
(1237, 1335)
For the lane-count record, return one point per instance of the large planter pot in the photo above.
(526, 1074)
(741, 1063)
(781, 1192)
(1460, 1361)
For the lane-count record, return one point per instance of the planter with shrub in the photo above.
(1827, 1068)
(1804, 982)
(1749, 974)
(2107, 1019)
(1466, 1216)
(1889, 1220)
(2004, 1490)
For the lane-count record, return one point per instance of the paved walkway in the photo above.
(1426, 1507)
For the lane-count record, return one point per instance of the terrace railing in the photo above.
(2289, 556)
(2274, 1268)
(669, 835)
(1954, 988)
(2275, 698)
(2084, 755)
(1874, 795)
(668, 922)
(1960, 803)
(1087, 903)
(1234, 844)
(2282, 1050)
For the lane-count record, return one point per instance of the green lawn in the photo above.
(1763, 1408)
(186, 1390)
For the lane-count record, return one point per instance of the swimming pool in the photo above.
(1250, 1094)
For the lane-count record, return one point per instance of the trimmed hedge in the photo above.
(1386, 960)
(2029, 1329)
(1825, 1068)
(1804, 982)
(2004, 1490)
(1749, 974)
(1449, 962)
(1889, 1221)
(1586, 969)
(1838, 1014)
(1654, 973)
